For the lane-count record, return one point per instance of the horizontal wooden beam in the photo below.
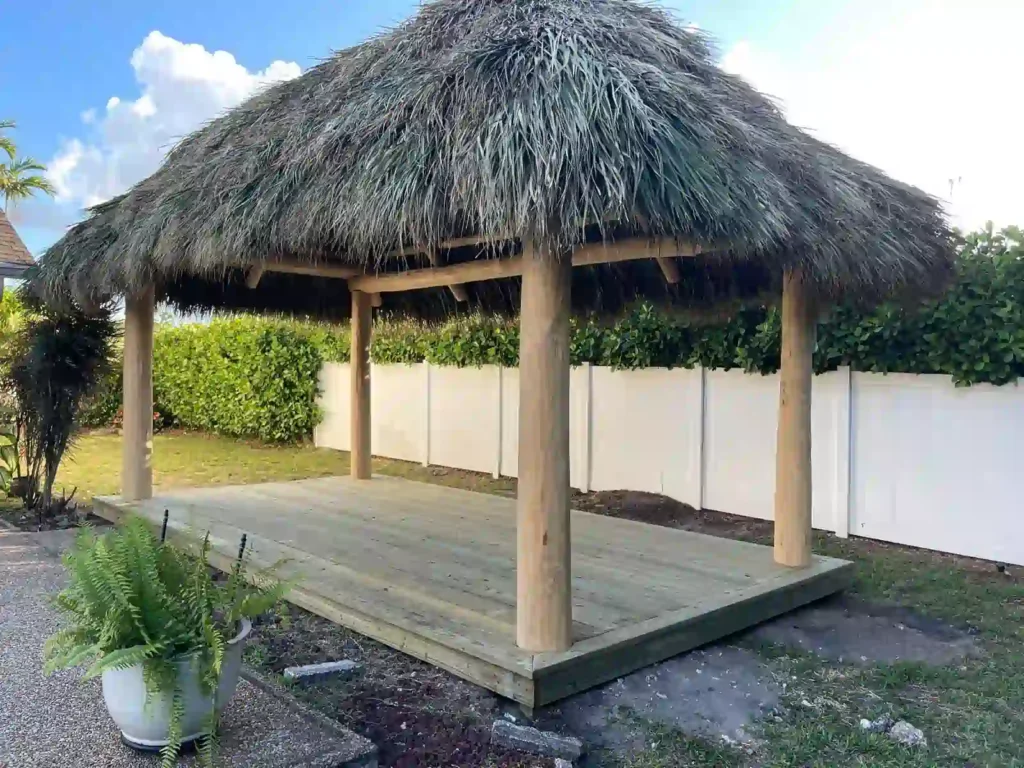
(434, 277)
(633, 249)
(292, 267)
(447, 245)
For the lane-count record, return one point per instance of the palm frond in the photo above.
(7, 144)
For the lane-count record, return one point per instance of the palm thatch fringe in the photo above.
(556, 120)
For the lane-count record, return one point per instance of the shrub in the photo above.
(54, 362)
(244, 376)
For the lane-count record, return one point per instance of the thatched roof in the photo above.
(14, 256)
(557, 120)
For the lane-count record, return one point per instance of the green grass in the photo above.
(182, 459)
(972, 712)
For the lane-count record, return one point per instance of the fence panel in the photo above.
(938, 466)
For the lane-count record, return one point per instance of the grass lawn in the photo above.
(184, 459)
(972, 712)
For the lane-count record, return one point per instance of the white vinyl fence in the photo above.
(902, 458)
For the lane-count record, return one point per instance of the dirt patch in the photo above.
(418, 715)
(714, 692)
(847, 629)
(14, 513)
(661, 510)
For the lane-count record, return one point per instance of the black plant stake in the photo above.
(163, 531)
(241, 551)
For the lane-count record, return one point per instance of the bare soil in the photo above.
(418, 715)
(14, 513)
(661, 510)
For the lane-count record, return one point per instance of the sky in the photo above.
(927, 90)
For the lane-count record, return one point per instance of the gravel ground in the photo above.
(53, 721)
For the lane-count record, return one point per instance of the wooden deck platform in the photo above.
(430, 570)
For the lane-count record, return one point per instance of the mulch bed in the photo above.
(661, 510)
(27, 520)
(418, 715)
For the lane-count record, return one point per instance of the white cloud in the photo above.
(181, 87)
(927, 95)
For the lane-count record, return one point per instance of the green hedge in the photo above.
(243, 376)
(975, 333)
(256, 377)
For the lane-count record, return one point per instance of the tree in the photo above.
(6, 142)
(20, 178)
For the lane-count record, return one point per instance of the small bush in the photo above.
(54, 362)
(244, 377)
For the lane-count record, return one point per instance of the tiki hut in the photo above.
(533, 155)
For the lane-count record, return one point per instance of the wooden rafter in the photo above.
(293, 267)
(447, 245)
(592, 254)
(253, 276)
(458, 291)
(669, 269)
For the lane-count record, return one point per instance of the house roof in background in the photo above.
(13, 252)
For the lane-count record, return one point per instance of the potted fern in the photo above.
(164, 635)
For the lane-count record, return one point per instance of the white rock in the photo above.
(881, 725)
(314, 672)
(506, 734)
(908, 735)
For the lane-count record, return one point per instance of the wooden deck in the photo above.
(430, 570)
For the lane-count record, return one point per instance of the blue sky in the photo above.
(907, 85)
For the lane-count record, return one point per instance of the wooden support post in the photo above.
(793, 450)
(360, 366)
(137, 439)
(253, 275)
(543, 568)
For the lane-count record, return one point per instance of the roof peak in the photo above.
(13, 251)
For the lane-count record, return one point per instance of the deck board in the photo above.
(431, 570)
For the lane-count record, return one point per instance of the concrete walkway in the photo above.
(58, 721)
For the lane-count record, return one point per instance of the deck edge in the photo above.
(661, 638)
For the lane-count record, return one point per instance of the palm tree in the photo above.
(20, 178)
(6, 142)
